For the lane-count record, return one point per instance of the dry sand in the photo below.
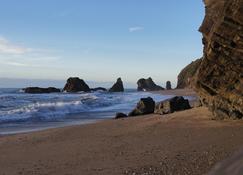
(187, 142)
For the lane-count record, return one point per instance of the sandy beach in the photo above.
(186, 142)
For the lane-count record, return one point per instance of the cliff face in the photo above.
(220, 76)
(186, 76)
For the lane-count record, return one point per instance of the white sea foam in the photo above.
(16, 107)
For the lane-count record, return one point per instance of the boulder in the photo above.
(148, 85)
(168, 85)
(38, 90)
(74, 84)
(98, 89)
(144, 106)
(118, 86)
(219, 80)
(120, 115)
(174, 104)
(186, 77)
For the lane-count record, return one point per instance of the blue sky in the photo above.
(99, 40)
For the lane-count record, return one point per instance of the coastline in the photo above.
(186, 142)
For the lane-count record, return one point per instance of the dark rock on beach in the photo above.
(118, 86)
(144, 106)
(148, 85)
(74, 84)
(38, 90)
(168, 85)
(120, 115)
(172, 105)
(98, 89)
(220, 76)
(187, 75)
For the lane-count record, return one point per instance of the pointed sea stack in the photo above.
(74, 84)
(168, 85)
(148, 85)
(118, 86)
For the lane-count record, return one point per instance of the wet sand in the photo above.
(186, 142)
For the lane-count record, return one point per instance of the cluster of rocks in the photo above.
(75, 84)
(148, 106)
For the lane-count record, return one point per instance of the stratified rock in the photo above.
(38, 90)
(172, 105)
(220, 76)
(187, 75)
(144, 106)
(120, 115)
(118, 86)
(74, 84)
(148, 85)
(98, 89)
(168, 85)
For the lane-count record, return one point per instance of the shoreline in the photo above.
(187, 142)
(19, 128)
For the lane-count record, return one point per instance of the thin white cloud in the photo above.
(16, 64)
(135, 29)
(6, 47)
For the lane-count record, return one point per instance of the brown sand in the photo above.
(187, 142)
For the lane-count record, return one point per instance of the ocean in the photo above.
(21, 112)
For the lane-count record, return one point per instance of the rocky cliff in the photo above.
(220, 76)
(186, 76)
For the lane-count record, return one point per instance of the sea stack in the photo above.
(148, 85)
(118, 86)
(168, 85)
(220, 76)
(74, 84)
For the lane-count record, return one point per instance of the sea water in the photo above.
(21, 112)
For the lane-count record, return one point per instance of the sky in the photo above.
(98, 40)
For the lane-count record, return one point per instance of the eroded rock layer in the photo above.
(220, 76)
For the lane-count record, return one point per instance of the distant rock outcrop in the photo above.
(168, 85)
(187, 75)
(98, 89)
(148, 85)
(38, 90)
(144, 106)
(172, 105)
(118, 86)
(74, 84)
(220, 76)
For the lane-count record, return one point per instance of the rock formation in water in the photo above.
(220, 76)
(187, 75)
(168, 85)
(118, 86)
(38, 90)
(172, 105)
(147, 85)
(74, 84)
(144, 106)
(98, 89)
